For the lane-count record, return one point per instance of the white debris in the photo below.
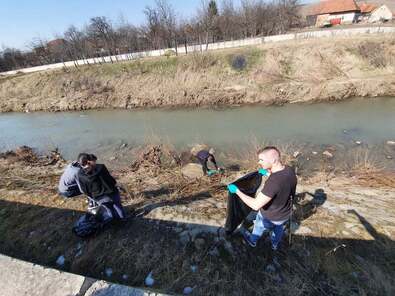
(149, 280)
(60, 261)
(108, 272)
(187, 290)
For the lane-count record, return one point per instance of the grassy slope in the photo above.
(302, 71)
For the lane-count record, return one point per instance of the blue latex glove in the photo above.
(232, 188)
(211, 172)
(263, 172)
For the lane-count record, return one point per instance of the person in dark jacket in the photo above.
(96, 182)
(204, 157)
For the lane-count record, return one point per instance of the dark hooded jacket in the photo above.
(97, 183)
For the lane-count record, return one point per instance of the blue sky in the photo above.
(23, 20)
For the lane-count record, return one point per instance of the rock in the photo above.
(112, 158)
(108, 272)
(303, 230)
(78, 254)
(314, 152)
(389, 157)
(187, 290)
(124, 145)
(60, 261)
(192, 171)
(200, 243)
(296, 154)
(149, 280)
(327, 154)
(294, 227)
(198, 147)
(270, 268)
(391, 143)
(214, 252)
(358, 142)
(184, 237)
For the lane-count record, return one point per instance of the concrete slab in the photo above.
(19, 278)
(102, 288)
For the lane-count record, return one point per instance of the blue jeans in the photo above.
(261, 225)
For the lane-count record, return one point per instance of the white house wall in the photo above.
(379, 14)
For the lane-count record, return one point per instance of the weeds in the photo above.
(374, 53)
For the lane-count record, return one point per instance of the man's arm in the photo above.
(254, 203)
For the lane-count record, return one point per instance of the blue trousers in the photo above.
(261, 225)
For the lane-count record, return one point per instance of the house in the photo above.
(380, 14)
(366, 11)
(333, 12)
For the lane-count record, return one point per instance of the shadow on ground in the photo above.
(179, 257)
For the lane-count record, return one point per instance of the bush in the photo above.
(373, 53)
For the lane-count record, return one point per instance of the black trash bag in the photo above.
(100, 213)
(237, 210)
(87, 225)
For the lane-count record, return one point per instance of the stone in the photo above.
(198, 147)
(124, 145)
(187, 290)
(60, 261)
(391, 143)
(327, 154)
(358, 142)
(389, 157)
(314, 152)
(184, 237)
(270, 268)
(214, 252)
(296, 154)
(108, 272)
(149, 280)
(303, 230)
(192, 171)
(200, 243)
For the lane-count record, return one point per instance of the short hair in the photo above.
(84, 157)
(268, 148)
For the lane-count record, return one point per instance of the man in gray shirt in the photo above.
(68, 183)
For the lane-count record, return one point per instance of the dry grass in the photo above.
(312, 266)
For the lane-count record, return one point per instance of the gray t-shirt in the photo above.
(68, 180)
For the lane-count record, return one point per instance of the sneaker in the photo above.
(248, 239)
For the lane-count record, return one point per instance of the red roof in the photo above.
(367, 8)
(334, 6)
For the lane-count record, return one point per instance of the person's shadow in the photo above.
(307, 203)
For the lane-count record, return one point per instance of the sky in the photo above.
(23, 20)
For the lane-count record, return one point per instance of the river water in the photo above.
(371, 121)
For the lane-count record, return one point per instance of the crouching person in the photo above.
(68, 186)
(274, 203)
(97, 183)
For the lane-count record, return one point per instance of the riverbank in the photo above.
(332, 69)
(343, 243)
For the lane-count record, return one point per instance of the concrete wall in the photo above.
(214, 46)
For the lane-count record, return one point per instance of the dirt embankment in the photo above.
(288, 72)
(342, 243)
